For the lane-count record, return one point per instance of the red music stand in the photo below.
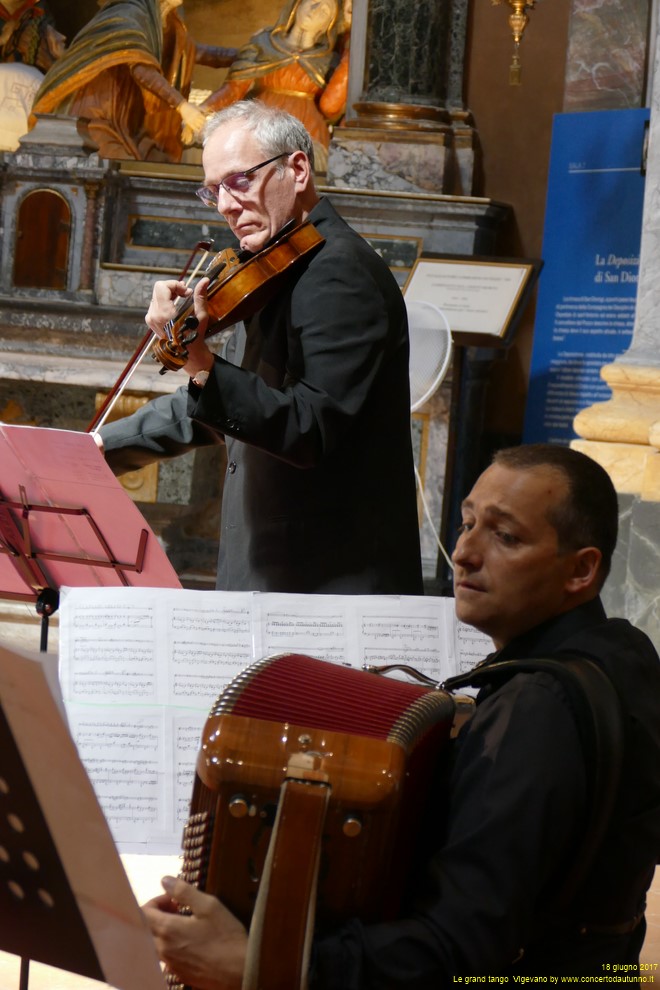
(64, 521)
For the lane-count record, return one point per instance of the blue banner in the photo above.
(588, 285)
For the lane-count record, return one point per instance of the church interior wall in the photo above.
(515, 125)
(515, 130)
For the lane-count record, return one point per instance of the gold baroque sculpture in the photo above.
(300, 65)
(28, 34)
(128, 72)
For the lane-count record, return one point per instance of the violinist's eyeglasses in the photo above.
(236, 184)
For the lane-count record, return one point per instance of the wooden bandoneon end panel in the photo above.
(373, 741)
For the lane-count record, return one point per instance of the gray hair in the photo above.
(275, 130)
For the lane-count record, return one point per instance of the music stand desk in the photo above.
(66, 521)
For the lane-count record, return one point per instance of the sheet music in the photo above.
(471, 647)
(141, 668)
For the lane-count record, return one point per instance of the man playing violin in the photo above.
(311, 395)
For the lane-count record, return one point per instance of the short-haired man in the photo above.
(538, 531)
(311, 397)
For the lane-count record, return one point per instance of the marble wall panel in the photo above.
(607, 55)
(408, 51)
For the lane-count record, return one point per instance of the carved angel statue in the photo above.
(299, 65)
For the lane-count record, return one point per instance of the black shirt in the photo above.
(515, 807)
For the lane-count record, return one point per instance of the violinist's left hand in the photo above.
(206, 948)
(200, 357)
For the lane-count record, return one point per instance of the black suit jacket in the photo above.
(312, 399)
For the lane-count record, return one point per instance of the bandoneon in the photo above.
(311, 781)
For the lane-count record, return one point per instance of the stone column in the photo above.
(624, 432)
(406, 121)
(407, 54)
(87, 261)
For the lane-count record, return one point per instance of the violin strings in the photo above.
(168, 326)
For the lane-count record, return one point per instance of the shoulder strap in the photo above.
(599, 721)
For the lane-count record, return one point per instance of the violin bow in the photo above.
(143, 347)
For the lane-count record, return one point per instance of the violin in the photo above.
(238, 289)
(240, 285)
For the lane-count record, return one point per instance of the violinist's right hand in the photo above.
(163, 305)
(163, 309)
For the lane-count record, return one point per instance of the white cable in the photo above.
(424, 316)
(427, 320)
(427, 513)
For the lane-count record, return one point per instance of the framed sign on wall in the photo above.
(481, 298)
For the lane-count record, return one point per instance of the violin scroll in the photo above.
(181, 331)
(172, 352)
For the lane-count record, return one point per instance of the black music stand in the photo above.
(65, 899)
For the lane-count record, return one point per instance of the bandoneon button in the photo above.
(238, 807)
(352, 826)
